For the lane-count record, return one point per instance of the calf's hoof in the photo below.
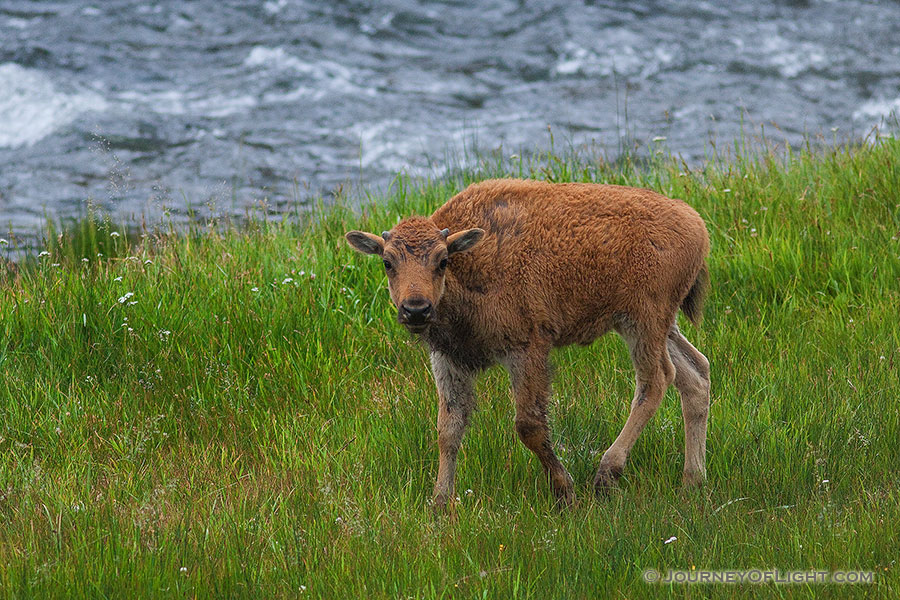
(564, 491)
(694, 480)
(440, 504)
(443, 506)
(607, 480)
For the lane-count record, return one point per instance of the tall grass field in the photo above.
(233, 411)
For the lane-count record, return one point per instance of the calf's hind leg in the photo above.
(692, 381)
(530, 377)
(654, 373)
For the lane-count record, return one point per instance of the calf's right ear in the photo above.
(367, 243)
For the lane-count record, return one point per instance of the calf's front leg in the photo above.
(456, 399)
(530, 376)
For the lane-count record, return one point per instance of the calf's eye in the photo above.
(387, 265)
(443, 264)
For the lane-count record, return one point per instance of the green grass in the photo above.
(252, 422)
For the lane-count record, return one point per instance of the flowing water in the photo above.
(143, 107)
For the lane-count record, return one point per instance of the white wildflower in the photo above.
(670, 540)
(254, 289)
(183, 569)
(114, 234)
(148, 262)
(4, 242)
(43, 254)
(287, 280)
(125, 298)
(119, 278)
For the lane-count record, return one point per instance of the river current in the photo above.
(145, 107)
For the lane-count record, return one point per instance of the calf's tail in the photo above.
(692, 305)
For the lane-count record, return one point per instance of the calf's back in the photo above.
(564, 263)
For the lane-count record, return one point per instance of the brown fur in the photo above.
(557, 264)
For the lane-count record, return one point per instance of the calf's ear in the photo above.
(464, 240)
(367, 243)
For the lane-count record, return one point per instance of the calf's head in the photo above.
(415, 254)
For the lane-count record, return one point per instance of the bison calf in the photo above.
(508, 269)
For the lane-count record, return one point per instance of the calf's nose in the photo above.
(415, 311)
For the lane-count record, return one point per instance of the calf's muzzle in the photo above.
(415, 312)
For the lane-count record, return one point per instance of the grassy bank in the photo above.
(237, 413)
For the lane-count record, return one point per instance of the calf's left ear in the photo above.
(367, 243)
(464, 240)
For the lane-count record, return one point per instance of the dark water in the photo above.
(141, 105)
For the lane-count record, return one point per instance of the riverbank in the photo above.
(234, 410)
